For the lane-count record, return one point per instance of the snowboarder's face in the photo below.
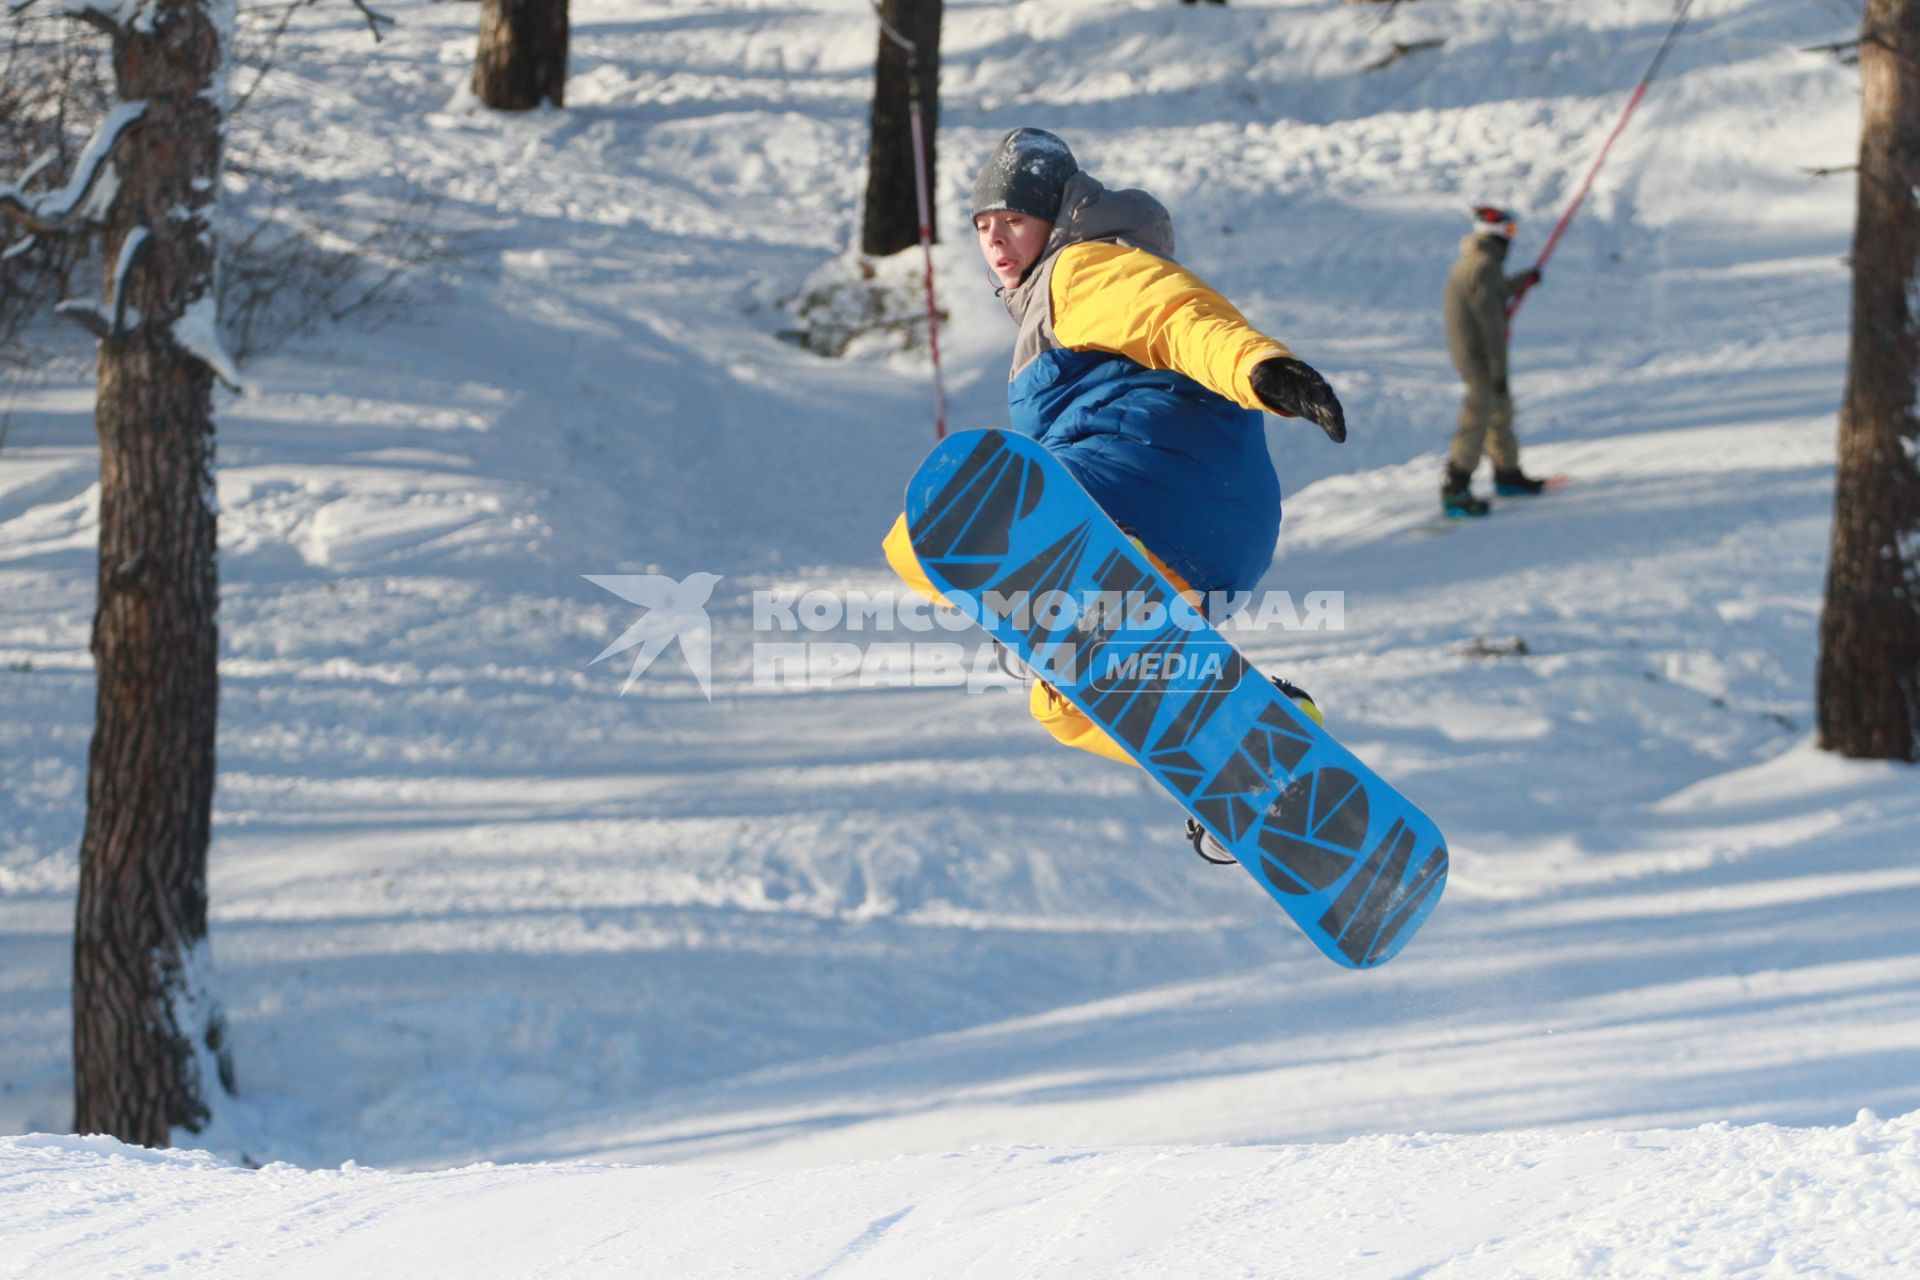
(1011, 242)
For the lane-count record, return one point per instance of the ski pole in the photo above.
(923, 199)
(1579, 197)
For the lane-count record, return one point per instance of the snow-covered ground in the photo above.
(968, 992)
(1716, 1201)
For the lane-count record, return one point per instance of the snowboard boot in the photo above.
(1300, 697)
(1517, 484)
(1211, 850)
(1456, 496)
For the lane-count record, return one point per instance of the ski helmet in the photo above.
(1491, 220)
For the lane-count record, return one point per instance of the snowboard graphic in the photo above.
(1005, 531)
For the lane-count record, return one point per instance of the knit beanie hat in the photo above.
(1026, 174)
(1489, 220)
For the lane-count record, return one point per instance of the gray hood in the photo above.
(1088, 211)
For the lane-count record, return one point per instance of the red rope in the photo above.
(926, 250)
(923, 198)
(1580, 196)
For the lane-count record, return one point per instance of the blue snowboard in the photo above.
(1007, 533)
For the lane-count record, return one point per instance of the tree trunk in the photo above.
(892, 221)
(522, 60)
(141, 1016)
(1869, 681)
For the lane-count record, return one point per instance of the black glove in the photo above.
(1499, 386)
(1292, 388)
(1530, 277)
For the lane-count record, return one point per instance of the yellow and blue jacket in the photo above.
(1136, 375)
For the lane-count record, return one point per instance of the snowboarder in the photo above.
(1476, 301)
(1146, 383)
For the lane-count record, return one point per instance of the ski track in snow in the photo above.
(471, 905)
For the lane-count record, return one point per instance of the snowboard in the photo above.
(1559, 480)
(1006, 532)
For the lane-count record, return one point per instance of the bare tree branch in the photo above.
(1402, 49)
(87, 11)
(1847, 51)
(266, 59)
(374, 19)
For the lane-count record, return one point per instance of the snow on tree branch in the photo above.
(132, 249)
(52, 211)
(198, 333)
(112, 16)
(108, 322)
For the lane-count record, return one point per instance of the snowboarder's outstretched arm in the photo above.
(1110, 297)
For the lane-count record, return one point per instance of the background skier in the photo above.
(1476, 309)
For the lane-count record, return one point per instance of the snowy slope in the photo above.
(1720, 1201)
(470, 904)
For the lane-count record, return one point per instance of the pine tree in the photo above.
(522, 59)
(145, 1031)
(908, 64)
(1869, 678)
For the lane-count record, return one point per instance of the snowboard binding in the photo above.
(1211, 850)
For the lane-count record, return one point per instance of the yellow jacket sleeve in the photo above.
(1108, 297)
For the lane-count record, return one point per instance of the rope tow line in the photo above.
(1639, 92)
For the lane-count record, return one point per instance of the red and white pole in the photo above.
(926, 249)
